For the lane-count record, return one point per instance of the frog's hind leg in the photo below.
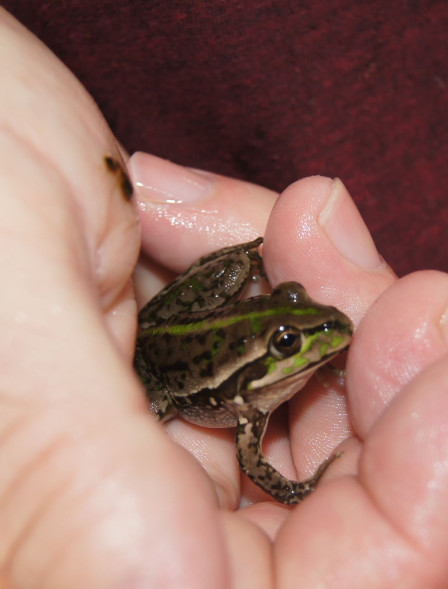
(249, 437)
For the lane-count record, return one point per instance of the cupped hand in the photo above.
(93, 493)
(378, 518)
(84, 497)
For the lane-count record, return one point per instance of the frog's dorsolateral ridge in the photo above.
(222, 362)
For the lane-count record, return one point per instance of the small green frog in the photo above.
(223, 362)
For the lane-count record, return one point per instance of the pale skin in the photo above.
(93, 492)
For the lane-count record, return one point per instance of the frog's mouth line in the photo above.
(270, 394)
(301, 376)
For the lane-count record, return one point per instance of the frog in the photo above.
(217, 359)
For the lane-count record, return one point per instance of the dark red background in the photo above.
(273, 90)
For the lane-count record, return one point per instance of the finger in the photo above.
(316, 236)
(397, 384)
(251, 569)
(89, 487)
(393, 520)
(41, 106)
(400, 335)
(194, 211)
(58, 243)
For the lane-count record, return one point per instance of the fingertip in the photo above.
(317, 236)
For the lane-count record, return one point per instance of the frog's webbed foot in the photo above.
(249, 436)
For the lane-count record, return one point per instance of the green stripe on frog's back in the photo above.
(212, 322)
(204, 354)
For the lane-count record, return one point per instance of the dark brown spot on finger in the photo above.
(126, 186)
(111, 164)
(124, 182)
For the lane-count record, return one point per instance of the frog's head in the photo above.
(298, 336)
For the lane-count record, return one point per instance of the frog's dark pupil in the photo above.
(288, 340)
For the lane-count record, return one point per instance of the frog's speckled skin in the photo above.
(221, 362)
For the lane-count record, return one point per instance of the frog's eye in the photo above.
(286, 341)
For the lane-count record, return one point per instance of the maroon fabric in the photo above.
(273, 90)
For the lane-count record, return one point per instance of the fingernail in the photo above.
(160, 181)
(346, 229)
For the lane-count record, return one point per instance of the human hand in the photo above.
(86, 498)
(92, 492)
(378, 518)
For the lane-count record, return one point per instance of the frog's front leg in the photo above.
(249, 437)
(160, 402)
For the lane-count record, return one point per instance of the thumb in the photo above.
(87, 497)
